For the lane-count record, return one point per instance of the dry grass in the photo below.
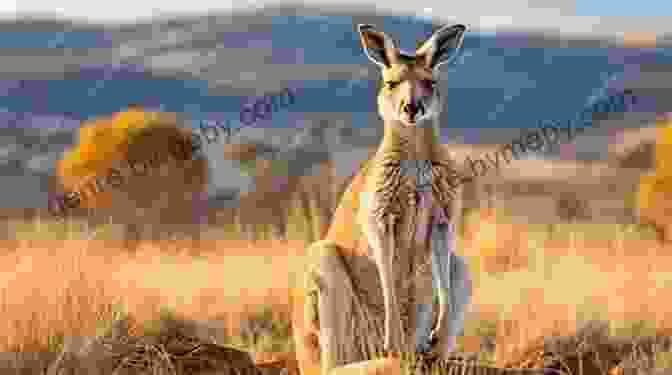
(545, 283)
(71, 287)
(531, 282)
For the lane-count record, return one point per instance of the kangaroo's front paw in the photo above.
(445, 347)
(433, 338)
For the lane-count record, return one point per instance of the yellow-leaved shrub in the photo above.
(655, 190)
(164, 177)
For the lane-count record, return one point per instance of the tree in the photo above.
(279, 183)
(140, 169)
(655, 190)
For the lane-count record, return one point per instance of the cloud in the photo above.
(554, 15)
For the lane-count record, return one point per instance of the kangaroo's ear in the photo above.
(379, 48)
(442, 46)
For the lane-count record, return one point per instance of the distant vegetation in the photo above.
(655, 191)
(130, 169)
(126, 168)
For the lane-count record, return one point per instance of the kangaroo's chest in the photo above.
(407, 189)
(417, 174)
(415, 194)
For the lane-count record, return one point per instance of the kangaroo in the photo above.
(391, 244)
(409, 183)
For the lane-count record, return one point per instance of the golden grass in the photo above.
(550, 282)
(530, 282)
(71, 287)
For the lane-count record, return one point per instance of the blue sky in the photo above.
(642, 8)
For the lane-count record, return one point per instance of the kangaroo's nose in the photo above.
(412, 109)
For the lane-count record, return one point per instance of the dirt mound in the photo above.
(592, 351)
(172, 351)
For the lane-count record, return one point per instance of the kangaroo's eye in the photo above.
(391, 84)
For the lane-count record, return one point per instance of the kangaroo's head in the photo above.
(409, 94)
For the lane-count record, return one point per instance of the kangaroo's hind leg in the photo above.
(333, 325)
